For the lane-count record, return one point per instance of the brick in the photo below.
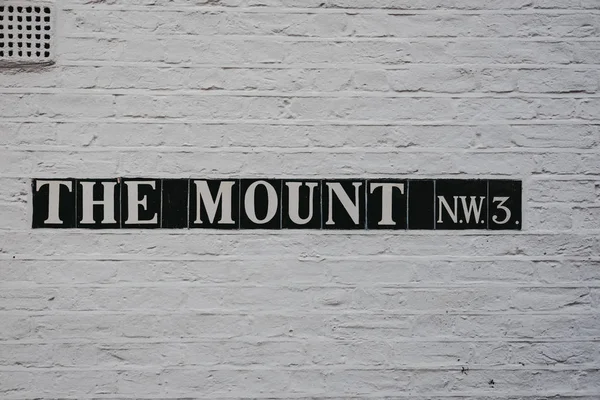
(289, 352)
(280, 271)
(539, 136)
(295, 108)
(279, 88)
(586, 217)
(379, 4)
(195, 134)
(554, 218)
(66, 244)
(268, 51)
(285, 299)
(568, 191)
(406, 78)
(335, 325)
(332, 24)
(378, 163)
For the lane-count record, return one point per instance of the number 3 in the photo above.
(502, 200)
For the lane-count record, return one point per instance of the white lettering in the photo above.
(351, 207)
(453, 213)
(294, 201)
(472, 207)
(468, 209)
(502, 207)
(88, 202)
(386, 200)
(249, 202)
(133, 201)
(53, 198)
(224, 196)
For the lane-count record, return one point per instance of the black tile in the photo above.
(53, 203)
(344, 204)
(301, 204)
(214, 203)
(386, 204)
(421, 204)
(505, 205)
(175, 203)
(140, 203)
(461, 204)
(260, 206)
(98, 216)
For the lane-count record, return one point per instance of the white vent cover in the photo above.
(26, 33)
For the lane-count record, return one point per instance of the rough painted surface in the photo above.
(501, 89)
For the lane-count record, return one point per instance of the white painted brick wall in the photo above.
(311, 88)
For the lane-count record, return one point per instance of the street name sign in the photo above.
(272, 203)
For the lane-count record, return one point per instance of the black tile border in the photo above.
(424, 204)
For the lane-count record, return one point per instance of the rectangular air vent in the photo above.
(26, 32)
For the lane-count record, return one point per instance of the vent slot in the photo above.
(26, 32)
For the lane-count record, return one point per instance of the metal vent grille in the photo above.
(26, 32)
